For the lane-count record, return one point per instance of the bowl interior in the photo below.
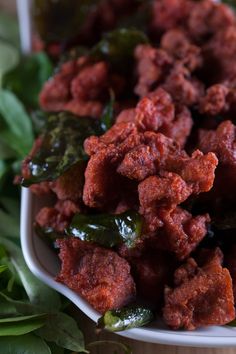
(44, 263)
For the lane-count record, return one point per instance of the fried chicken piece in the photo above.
(180, 232)
(203, 296)
(99, 275)
(221, 141)
(152, 66)
(58, 217)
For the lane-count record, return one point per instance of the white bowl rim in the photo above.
(180, 338)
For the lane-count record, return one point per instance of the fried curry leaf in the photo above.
(107, 230)
(48, 234)
(61, 147)
(107, 117)
(117, 47)
(125, 318)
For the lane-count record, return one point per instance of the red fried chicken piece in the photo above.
(221, 141)
(152, 66)
(97, 274)
(202, 296)
(167, 14)
(181, 232)
(58, 217)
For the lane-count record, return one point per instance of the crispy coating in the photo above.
(70, 184)
(206, 17)
(167, 14)
(181, 232)
(97, 274)
(59, 216)
(184, 88)
(202, 297)
(78, 87)
(215, 100)
(154, 111)
(176, 43)
(152, 66)
(221, 141)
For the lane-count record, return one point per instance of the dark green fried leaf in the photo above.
(107, 118)
(106, 229)
(62, 146)
(117, 47)
(125, 318)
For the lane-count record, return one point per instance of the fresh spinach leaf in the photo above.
(62, 146)
(9, 58)
(26, 344)
(125, 318)
(106, 229)
(63, 331)
(9, 29)
(38, 293)
(117, 47)
(27, 79)
(3, 268)
(15, 326)
(18, 132)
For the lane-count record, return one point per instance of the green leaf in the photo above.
(10, 307)
(126, 349)
(63, 331)
(27, 79)
(38, 293)
(15, 326)
(9, 29)
(18, 123)
(26, 344)
(6, 151)
(106, 229)
(9, 225)
(117, 47)
(125, 318)
(3, 268)
(9, 58)
(232, 3)
(107, 117)
(62, 146)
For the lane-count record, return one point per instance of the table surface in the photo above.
(88, 328)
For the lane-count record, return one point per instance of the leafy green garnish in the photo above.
(15, 326)
(62, 146)
(26, 344)
(117, 47)
(27, 79)
(16, 130)
(65, 333)
(232, 3)
(106, 229)
(9, 58)
(125, 318)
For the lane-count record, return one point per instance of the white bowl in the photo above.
(45, 265)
